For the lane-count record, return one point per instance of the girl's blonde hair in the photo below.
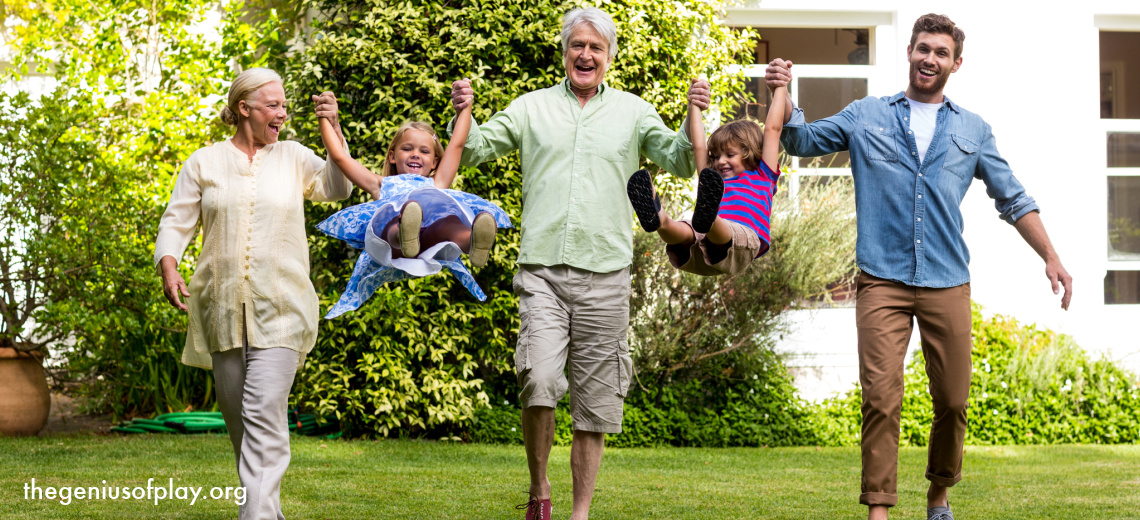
(746, 135)
(242, 89)
(389, 168)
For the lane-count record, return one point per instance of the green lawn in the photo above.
(407, 479)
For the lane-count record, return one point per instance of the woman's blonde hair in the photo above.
(746, 134)
(389, 168)
(242, 89)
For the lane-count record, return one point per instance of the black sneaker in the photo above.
(710, 189)
(644, 199)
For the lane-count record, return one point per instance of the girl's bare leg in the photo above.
(447, 229)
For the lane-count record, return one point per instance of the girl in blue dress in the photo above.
(416, 225)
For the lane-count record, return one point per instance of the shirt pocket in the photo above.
(961, 156)
(881, 144)
(610, 142)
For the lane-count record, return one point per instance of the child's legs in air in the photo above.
(720, 233)
(447, 229)
(674, 232)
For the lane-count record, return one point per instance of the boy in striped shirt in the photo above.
(730, 221)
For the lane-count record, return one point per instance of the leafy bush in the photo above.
(421, 357)
(705, 371)
(1029, 386)
(87, 171)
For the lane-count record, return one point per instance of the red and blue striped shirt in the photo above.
(747, 200)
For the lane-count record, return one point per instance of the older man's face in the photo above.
(587, 57)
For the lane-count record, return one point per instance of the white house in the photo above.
(1060, 85)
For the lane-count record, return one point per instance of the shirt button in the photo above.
(912, 153)
(247, 277)
(920, 196)
(918, 241)
(920, 174)
(919, 219)
(247, 249)
(909, 132)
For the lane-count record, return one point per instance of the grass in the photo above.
(412, 480)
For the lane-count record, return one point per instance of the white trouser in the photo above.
(253, 392)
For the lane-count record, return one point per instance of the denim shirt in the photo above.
(909, 215)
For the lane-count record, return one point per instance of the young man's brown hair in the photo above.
(939, 24)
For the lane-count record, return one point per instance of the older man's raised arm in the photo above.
(495, 138)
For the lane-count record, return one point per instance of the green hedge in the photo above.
(422, 356)
(1029, 386)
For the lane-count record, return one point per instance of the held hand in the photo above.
(173, 285)
(778, 74)
(462, 95)
(700, 93)
(326, 107)
(1058, 276)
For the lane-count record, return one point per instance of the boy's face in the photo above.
(728, 161)
(931, 63)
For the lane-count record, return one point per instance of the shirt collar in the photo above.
(566, 85)
(901, 96)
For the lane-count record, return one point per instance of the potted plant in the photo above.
(24, 397)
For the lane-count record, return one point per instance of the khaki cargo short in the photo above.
(574, 336)
(707, 259)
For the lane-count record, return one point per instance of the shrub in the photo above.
(422, 356)
(1029, 386)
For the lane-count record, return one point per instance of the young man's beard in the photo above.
(939, 81)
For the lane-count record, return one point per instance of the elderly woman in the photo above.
(579, 142)
(253, 310)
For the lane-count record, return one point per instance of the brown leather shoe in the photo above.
(537, 509)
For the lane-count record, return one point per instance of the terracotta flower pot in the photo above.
(24, 398)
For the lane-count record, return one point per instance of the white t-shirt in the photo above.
(923, 117)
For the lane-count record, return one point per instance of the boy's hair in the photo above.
(746, 134)
(389, 168)
(938, 24)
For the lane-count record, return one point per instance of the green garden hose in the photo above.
(211, 422)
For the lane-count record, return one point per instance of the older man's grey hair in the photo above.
(597, 18)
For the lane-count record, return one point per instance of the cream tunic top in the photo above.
(253, 272)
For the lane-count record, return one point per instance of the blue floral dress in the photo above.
(361, 226)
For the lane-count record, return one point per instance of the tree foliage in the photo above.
(422, 355)
(88, 168)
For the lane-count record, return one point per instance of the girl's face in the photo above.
(729, 162)
(415, 153)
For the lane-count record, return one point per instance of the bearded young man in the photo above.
(913, 156)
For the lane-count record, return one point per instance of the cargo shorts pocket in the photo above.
(522, 347)
(624, 368)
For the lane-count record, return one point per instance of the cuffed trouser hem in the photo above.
(539, 401)
(879, 499)
(943, 481)
(596, 428)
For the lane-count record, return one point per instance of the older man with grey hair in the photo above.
(579, 142)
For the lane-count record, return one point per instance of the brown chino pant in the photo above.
(883, 314)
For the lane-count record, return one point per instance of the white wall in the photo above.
(1033, 74)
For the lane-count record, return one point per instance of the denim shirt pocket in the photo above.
(962, 157)
(881, 144)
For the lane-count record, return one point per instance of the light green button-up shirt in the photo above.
(575, 164)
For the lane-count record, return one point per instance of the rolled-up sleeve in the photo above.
(822, 137)
(323, 180)
(1009, 195)
(495, 138)
(669, 149)
(180, 220)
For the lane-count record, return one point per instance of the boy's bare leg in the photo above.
(877, 513)
(538, 437)
(585, 459)
(721, 232)
(674, 232)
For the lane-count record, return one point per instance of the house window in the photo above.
(1120, 120)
